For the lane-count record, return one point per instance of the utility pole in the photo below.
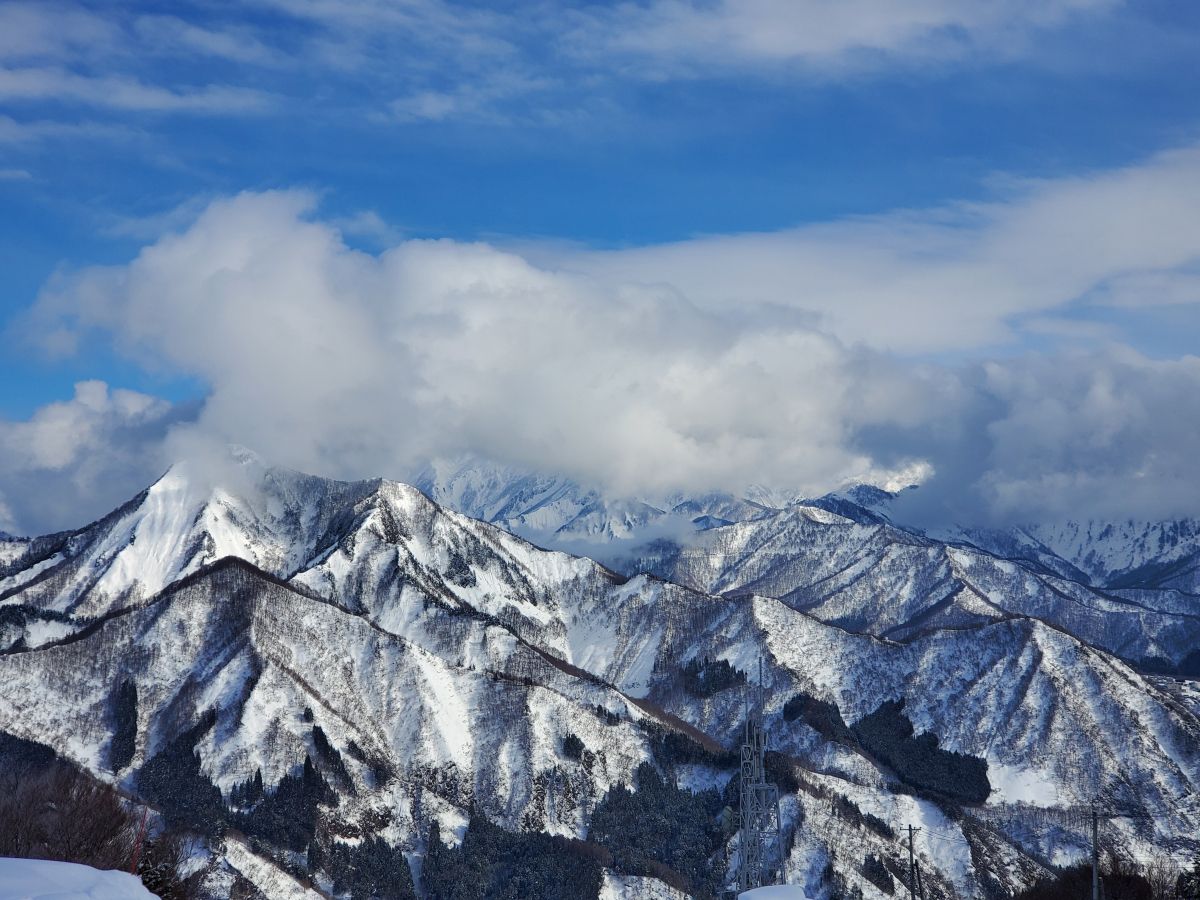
(1095, 853)
(912, 865)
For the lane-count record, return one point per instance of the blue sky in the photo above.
(625, 144)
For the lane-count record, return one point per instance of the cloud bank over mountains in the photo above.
(965, 346)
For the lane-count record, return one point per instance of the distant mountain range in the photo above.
(1130, 587)
(431, 665)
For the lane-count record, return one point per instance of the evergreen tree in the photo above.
(660, 827)
(172, 780)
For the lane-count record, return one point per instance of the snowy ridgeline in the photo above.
(557, 512)
(37, 879)
(373, 664)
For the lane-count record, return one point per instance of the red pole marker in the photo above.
(137, 847)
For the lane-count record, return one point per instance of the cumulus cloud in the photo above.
(799, 360)
(73, 460)
(1102, 433)
(1113, 434)
(347, 363)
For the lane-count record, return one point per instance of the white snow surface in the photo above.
(775, 892)
(39, 879)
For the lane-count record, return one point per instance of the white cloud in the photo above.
(8, 522)
(345, 363)
(151, 226)
(367, 224)
(76, 459)
(171, 34)
(425, 61)
(947, 278)
(13, 131)
(1166, 287)
(709, 364)
(1112, 434)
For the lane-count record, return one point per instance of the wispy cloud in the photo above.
(125, 93)
(13, 131)
(237, 43)
(54, 31)
(152, 226)
(682, 37)
(435, 60)
(955, 276)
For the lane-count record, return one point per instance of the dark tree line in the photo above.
(572, 746)
(172, 781)
(877, 873)
(705, 677)
(822, 716)
(662, 831)
(286, 816)
(918, 760)
(1123, 883)
(124, 742)
(494, 864)
(369, 870)
(672, 748)
(245, 794)
(846, 809)
(329, 756)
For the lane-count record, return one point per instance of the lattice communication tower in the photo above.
(760, 851)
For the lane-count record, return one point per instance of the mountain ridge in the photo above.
(446, 661)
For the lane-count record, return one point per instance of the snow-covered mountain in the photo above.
(866, 574)
(559, 512)
(428, 664)
(1131, 554)
(848, 558)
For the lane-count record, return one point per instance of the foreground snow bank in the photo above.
(775, 892)
(40, 879)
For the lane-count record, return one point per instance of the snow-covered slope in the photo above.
(447, 661)
(191, 516)
(866, 574)
(39, 879)
(1125, 554)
